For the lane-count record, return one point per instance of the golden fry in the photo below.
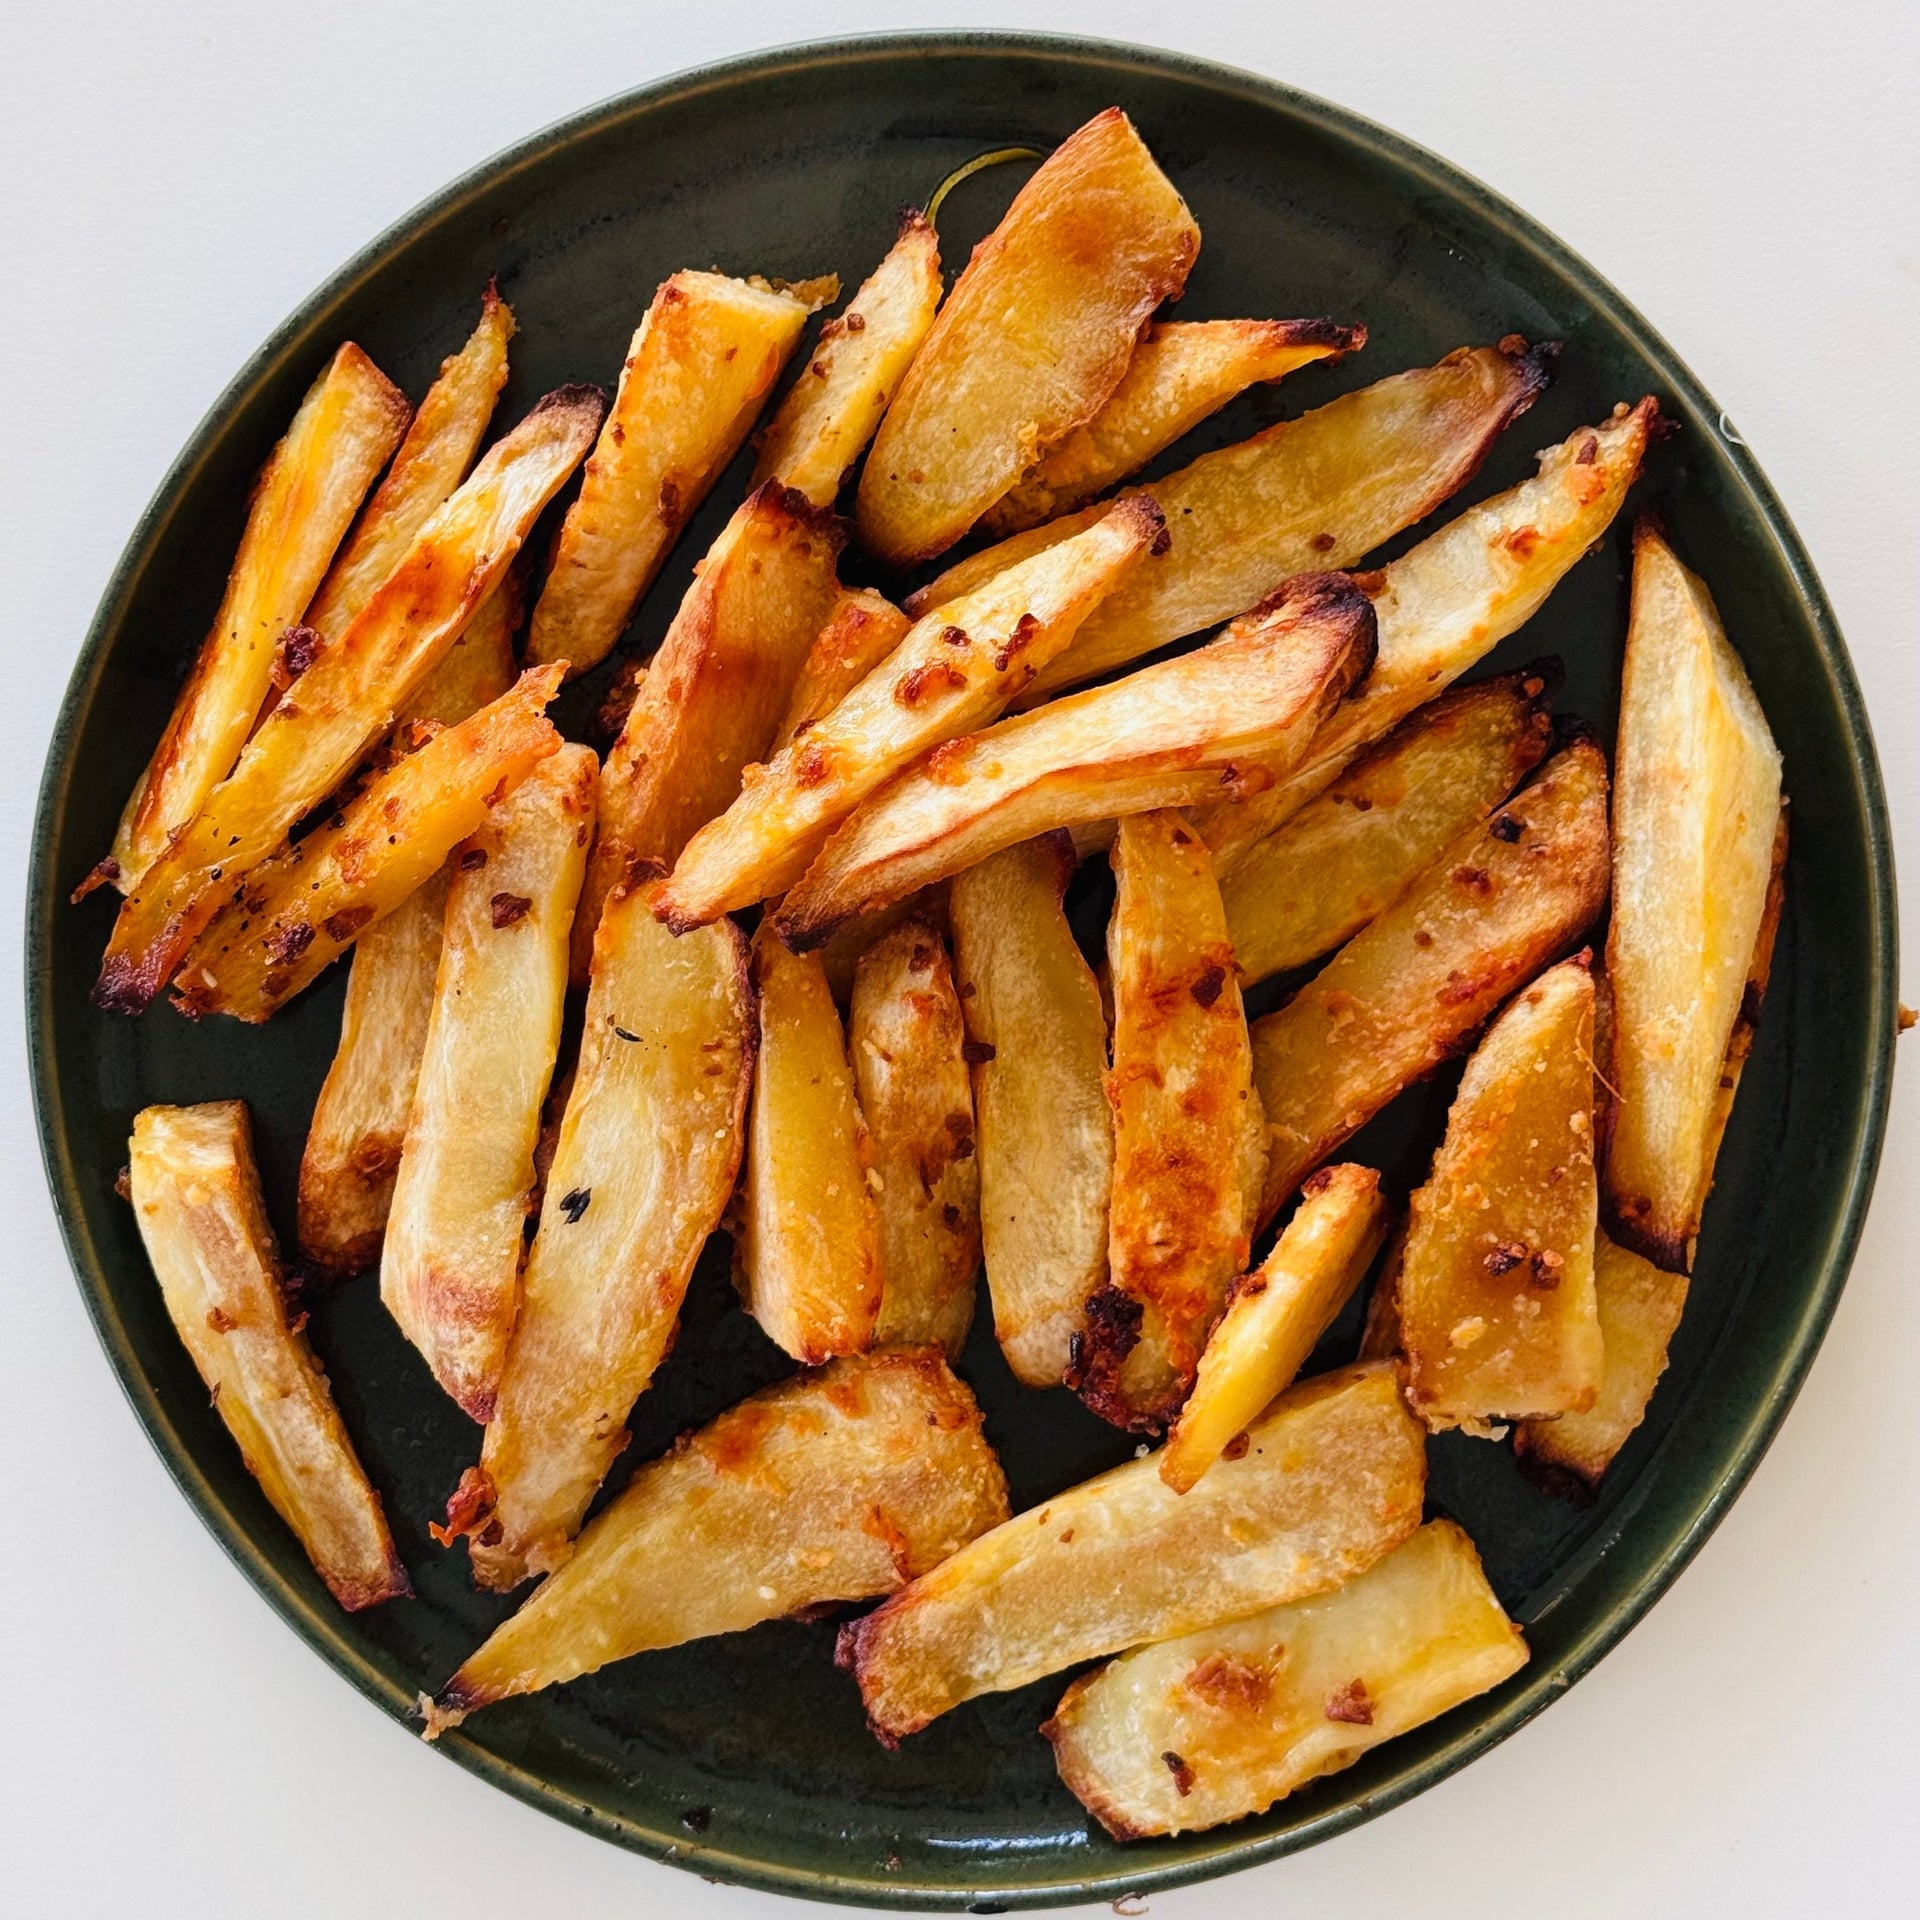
(863, 628)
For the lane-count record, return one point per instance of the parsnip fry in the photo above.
(1332, 1478)
(952, 674)
(1032, 341)
(1696, 813)
(1162, 737)
(450, 1271)
(836, 1486)
(908, 1043)
(294, 915)
(646, 1158)
(196, 1195)
(1317, 881)
(863, 628)
(1182, 371)
(704, 358)
(303, 502)
(1220, 1724)
(1404, 993)
(348, 699)
(1037, 1037)
(1275, 1316)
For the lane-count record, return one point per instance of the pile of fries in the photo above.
(812, 902)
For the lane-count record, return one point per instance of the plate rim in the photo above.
(1219, 1853)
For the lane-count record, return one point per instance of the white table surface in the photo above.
(175, 178)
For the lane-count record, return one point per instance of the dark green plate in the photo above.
(746, 1757)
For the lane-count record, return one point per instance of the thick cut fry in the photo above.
(294, 915)
(1450, 601)
(450, 1271)
(478, 668)
(831, 411)
(303, 503)
(348, 699)
(836, 1486)
(704, 358)
(841, 954)
(1037, 1038)
(1332, 1478)
(196, 1195)
(1181, 372)
(1402, 995)
(646, 1159)
(1181, 1090)
(863, 628)
(1696, 813)
(809, 1247)
(1032, 341)
(1316, 882)
(1220, 1724)
(432, 461)
(1380, 1333)
(1275, 1316)
(952, 674)
(1165, 736)
(908, 1044)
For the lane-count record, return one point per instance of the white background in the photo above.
(175, 178)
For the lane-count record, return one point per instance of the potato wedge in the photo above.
(652, 1138)
(809, 1248)
(1165, 736)
(855, 369)
(863, 628)
(835, 1486)
(1032, 341)
(294, 915)
(1322, 876)
(953, 673)
(1181, 1090)
(1497, 1316)
(478, 668)
(1220, 1724)
(303, 502)
(1037, 1039)
(1696, 814)
(196, 1195)
(908, 1047)
(450, 1270)
(704, 358)
(348, 697)
(1181, 372)
(1404, 993)
(1275, 1315)
(1333, 1477)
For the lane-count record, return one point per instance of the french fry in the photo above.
(1164, 736)
(1181, 372)
(303, 502)
(1696, 816)
(863, 628)
(450, 1270)
(836, 1486)
(809, 1248)
(1332, 1478)
(196, 1195)
(1497, 1316)
(841, 954)
(652, 1139)
(1037, 1038)
(1220, 1724)
(908, 1046)
(1032, 341)
(478, 668)
(1320, 491)
(832, 410)
(953, 673)
(1380, 1332)
(348, 698)
(1181, 1090)
(705, 357)
(294, 915)
(1403, 993)
(1275, 1315)
(1343, 857)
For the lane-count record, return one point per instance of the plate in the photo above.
(745, 1758)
